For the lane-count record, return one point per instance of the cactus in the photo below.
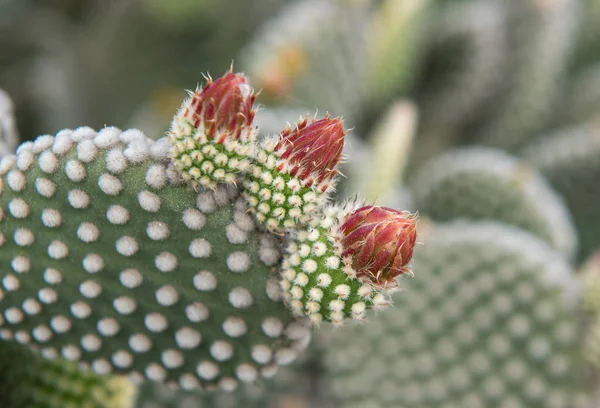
(484, 183)
(8, 132)
(487, 324)
(568, 158)
(142, 257)
(29, 380)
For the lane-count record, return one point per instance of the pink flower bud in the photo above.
(313, 150)
(379, 242)
(223, 106)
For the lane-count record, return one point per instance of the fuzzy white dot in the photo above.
(60, 324)
(206, 202)
(47, 295)
(196, 312)
(205, 281)
(235, 235)
(109, 184)
(324, 280)
(246, 373)
(18, 208)
(221, 350)
(193, 219)
(91, 342)
(238, 262)
(157, 230)
(272, 326)
(11, 283)
(31, 306)
(20, 264)
(235, 326)
(107, 137)
(166, 262)
(108, 327)
(78, 199)
(122, 359)
(51, 218)
(167, 295)
(261, 353)
(88, 232)
(71, 352)
(116, 162)
(140, 343)
(45, 188)
(156, 176)
(172, 358)
(81, 310)
(285, 356)
(207, 370)
(155, 372)
(187, 338)
(117, 215)
(75, 170)
(125, 305)
(156, 322)
(131, 278)
(93, 263)
(90, 289)
(101, 366)
(52, 276)
(22, 337)
(87, 151)
(127, 246)
(42, 333)
(240, 298)
(42, 143)
(149, 201)
(200, 248)
(62, 142)
(23, 237)
(25, 160)
(16, 180)
(13, 315)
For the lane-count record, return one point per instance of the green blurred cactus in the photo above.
(489, 323)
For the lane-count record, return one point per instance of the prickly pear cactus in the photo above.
(570, 160)
(488, 324)
(170, 261)
(483, 183)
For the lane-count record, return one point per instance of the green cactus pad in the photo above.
(28, 380)
(570, 160)
(111, 260)
(483, 183)
(487, 323)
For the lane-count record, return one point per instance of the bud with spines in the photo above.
(328, 273)
(293, 173)
(212, 133)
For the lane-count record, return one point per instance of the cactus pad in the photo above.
(112, 261)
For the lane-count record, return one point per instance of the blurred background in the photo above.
(465, 110)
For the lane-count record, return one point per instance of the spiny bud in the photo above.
(379, 242)
(312, 151)
(223, 106)
(212, 133)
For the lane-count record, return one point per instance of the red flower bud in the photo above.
(379, 242)
(223, 106)
(313, 149)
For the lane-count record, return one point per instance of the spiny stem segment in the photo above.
(212, 134)
(294, 172)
